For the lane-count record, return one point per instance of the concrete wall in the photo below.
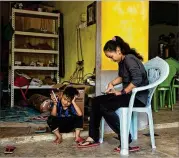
(72, 11)
(154, 32)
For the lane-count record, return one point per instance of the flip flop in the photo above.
(41, 130)
(91, 144)
(79, 140)
(9, 149)
(131, 149)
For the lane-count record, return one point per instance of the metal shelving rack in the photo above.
(55, 37)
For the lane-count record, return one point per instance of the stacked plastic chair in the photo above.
(175, 81)
(175, 85)
(166, 88)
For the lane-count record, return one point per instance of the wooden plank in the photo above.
(36, 13)
(35, 34)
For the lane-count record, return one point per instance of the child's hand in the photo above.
(53, 99)
(73, 101)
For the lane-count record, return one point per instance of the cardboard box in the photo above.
(80, 101)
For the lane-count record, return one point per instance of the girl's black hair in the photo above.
(117, 41)
(70, 92)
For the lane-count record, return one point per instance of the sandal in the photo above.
(9, 149)
(41, 130)
(79, 140)
(90, 144)
(131, 149)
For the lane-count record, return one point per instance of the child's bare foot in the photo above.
(58, 140)
(55, 139)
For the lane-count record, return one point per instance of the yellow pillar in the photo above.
(128, 19)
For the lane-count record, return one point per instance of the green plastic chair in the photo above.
(175, 83)
(173, 62)
(165, 89)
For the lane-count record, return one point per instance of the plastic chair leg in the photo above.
(168, 99)
(151, 127)
(102, 131)
(171, 99)
(161, 99)
(155, 101)
(123, 115)
(134, 126)
(174, 95)
(164, 98)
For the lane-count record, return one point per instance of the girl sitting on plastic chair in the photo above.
(132, 74)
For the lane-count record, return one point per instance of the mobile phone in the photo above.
(107, 93)
(103, 92)
(54, 96)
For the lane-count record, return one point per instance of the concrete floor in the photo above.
(164, 117)
(167, 146)
(37, 145)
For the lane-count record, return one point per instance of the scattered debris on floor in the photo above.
(23, 114)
